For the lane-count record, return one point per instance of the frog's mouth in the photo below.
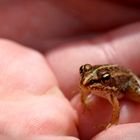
(90, 79)
(100, 93)
(97, 89)
(90, 82)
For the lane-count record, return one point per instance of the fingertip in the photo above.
(94, 117)
(54, 138)
(23, 69)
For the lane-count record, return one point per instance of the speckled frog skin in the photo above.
(111, 82)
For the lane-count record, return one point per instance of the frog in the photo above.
(111, 82)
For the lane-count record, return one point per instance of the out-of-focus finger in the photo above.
(39, 138)
(23, 70)
(30, 115)
(54, 138)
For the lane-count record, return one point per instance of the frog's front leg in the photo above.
(86, 98)
(116, 110)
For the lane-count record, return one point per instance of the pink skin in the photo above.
(33, 85)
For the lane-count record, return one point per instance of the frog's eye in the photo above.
(85, 68)
(81, 70)
(106, 76)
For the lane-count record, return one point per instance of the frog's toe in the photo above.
(110, 125)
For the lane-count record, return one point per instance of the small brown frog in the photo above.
(111, 82)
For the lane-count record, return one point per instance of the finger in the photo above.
(53, 138)
(113, 47)
(39, 138)
(125, 132)
(112, 13)
(109, 48)
(48, 114)
(97, 115)
(62, 21)
(30, 101)
(23, 70)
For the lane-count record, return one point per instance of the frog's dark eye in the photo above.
(81, 70)
(85, 68)
(106, 76)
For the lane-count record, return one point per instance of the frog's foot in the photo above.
(87, 100)
(86, 106)
(101, 126)
(86, 103)
(104, 126)
(110, 125)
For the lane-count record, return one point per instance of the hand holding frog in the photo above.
(33, 84)
(37, 101)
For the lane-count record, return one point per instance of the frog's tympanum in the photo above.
(111, 82)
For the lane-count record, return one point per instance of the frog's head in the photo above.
(95, 76)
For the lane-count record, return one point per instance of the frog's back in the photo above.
(119, 76)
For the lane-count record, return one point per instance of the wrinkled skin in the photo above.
(49, 42)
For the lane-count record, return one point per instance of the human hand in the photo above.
(27, 95)
(113, 47)
(44, 24)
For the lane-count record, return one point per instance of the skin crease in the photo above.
(33, 85)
